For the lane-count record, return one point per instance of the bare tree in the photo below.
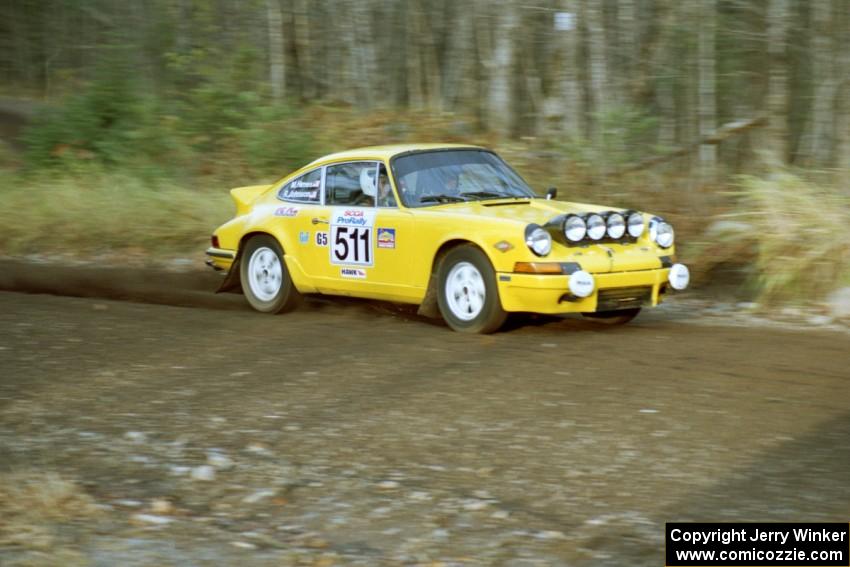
(818, 141)
(707, 104)
(777, 138)
(277, 76)
(598, 61)
(842, 92)
(500, 107)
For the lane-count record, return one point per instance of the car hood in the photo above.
(592, 257)
(524, 211)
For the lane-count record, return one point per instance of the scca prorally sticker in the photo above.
(321, 239)
(303, 237)
(351, 236)
(286, 212)
(353, 273)
(386, 238)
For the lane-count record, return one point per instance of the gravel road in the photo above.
(352, 434)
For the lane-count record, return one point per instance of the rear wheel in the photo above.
(468, 294)
(620, 317)
(265, 279)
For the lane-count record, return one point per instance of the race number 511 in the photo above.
(351, 245)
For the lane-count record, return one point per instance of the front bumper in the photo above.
(550, 294)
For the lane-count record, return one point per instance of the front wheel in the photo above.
(620, 317)
(265, 279)
(468, 294)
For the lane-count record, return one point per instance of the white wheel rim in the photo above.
(465, 291)
(265, 274)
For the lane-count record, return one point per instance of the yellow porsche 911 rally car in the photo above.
(450, 228)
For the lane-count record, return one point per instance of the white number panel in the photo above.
(351, 245)
(351, 235)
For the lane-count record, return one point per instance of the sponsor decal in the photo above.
(353, 273)
(386, 238)
(305, 184)
(286, 212)
(303, 237)
(303, 195)
(353, 217)
(321, 239)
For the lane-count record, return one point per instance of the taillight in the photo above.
(214, 239)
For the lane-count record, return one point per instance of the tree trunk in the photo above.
(301, 31)
(364, 67)
(707, 26)
(458, 84)
(565, 102)
(842, 93)
(628, 48)
(776, 142)
(500, 102)
(598, 65)
(818, 137)
(276, 57)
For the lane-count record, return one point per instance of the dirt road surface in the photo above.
(349, 434)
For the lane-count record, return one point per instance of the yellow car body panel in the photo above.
(403, 262)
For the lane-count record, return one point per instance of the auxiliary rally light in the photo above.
(581, 284)
(679, 277)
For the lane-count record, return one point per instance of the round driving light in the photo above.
(679, 276)
(616, 225)
(539, 241)
(635, 223)
(574, 228)
(662, 233)
(595, 227)
(581, 284)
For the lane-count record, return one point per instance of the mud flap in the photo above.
(231, 281)
(429, 306)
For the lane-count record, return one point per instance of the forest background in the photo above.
(124, 123)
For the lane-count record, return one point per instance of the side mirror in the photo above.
(551, 193)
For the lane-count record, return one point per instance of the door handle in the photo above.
(318, 221)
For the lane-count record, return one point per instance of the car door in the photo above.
(367, 235)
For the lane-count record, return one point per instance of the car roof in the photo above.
(387, 152)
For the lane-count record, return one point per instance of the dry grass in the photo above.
(86, 213)
(791, 234)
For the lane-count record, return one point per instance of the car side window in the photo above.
(386, 198)
(352, 183)
(304, 189)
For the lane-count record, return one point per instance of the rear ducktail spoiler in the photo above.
(244, 197)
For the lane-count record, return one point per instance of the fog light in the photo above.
(679, 277)
(581, 284)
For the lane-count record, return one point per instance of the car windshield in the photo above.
(453, 176)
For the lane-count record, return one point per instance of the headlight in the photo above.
(574, 228)
(661, 232)
(616, 225)
(538, 240)
(595, 227)
(635, 223)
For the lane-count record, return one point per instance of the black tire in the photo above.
(279, 295)
(620, 317)
(486, 318)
